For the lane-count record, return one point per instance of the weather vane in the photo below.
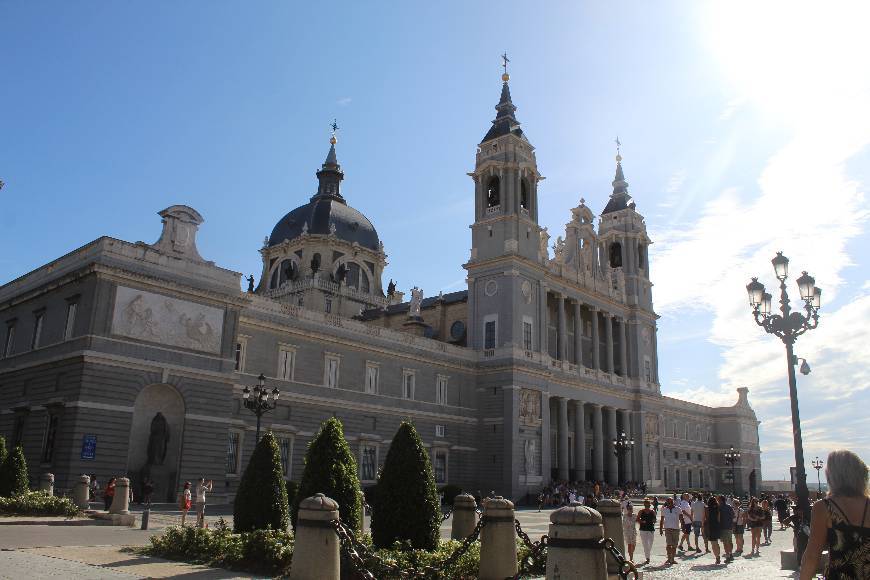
(618, 144)
(334, 126)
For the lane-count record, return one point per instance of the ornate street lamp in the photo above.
(263, 400)
(788, 326)
(732, 456)
(621, 446)
(817, 465)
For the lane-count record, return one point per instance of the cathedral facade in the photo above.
(132, 359)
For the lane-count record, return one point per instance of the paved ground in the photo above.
(49, 550)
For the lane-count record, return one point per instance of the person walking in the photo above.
(698, 510)
(739, 525)
(646, 519)
(767, 528)
(726, 527)
(184, 502)
(841, 521)
(629, 530)
(201, 490)
(655, 504)
(669, 527)
(755, 519)
(147, 491)
(781, 507)
(109, 493)
(685, 521)
(712, 525)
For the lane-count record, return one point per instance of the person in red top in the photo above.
(109, 493)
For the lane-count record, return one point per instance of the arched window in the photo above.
(616, 255)
(641, 256)
(285, 271)
(493, 193)
(524, 194)
(356, 277)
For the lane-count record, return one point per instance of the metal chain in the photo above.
(446, 516)
(536, 550)
(625, 567)
(458, 552)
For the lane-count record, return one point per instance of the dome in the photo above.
(350, 225)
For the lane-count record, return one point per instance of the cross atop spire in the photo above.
(505, 60)
(505, 122)
(620, 198)
(334, 126)
(618, 144)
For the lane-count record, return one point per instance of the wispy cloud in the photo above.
(731, 107)
(343, 101)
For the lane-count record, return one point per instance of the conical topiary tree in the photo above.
(13, 477)
(3, 454)
(261, 501)
(330, 469)
(406, 504)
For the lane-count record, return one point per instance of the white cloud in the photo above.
(344, 101)
(731, 107)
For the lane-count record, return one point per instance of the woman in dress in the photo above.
(739, 525)
(646, 519)
(186, 500)
(109, 493)
(841, 521)
(712, 525)
(755, 519)
(629, 531)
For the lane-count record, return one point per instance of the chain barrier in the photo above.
(625, 567)
(445, 517)
(536, 554)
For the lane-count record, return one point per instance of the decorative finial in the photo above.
(505, 60)
(618, 144)
(334, 126)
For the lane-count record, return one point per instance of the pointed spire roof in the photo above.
(505, 121)
(330, 175)
(620, 198)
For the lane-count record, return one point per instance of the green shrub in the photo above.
(292, 491)
(450, 492)
(261, 501)
(3, 454)
(37, 503)
(406, 507)
(406, 559)
(14, 474)
(330, 469)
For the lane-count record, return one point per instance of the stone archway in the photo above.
(155, 441)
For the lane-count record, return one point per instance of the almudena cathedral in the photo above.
(124, 358)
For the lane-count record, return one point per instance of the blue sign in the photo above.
(89, 447)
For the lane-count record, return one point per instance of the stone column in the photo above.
(580, 440)
(81, 491)
(498, 544)
(316, 553)
(628, 462)
(464, 516)
(546, 454)
(623, 347)
(570, 562)
(544, 316)
(597, 444)
(611, 513)
(562, 352)
(608, 337)
(121, 502)
(596, 347)
(578, 334)
(563, 439)
(46, 483)
(612, 470)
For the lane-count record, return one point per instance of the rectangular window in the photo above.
(330, 371)
(647, 370)
(700, 457)
(687, 431)
(441, 390)
(489, 334)
(328, 306)
(241, 350)
(440, 430)
(677, 474)
(69, 327)
(10, 340)
(408, 382)
(372, 372)
(368, 465)
(527, 333)
(49, 437)
(440, 465)
(233, 439)
(286, 362)
(676, 454)
(285, 446)
(38, 319)
(18, 430)
(688, 456)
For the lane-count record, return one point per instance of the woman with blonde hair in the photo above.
(841, 521)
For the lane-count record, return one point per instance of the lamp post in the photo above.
(817, 465)
(732, 456)
(788, 326)
(262, 402)
(622, 445)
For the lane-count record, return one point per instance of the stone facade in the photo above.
(130, 358)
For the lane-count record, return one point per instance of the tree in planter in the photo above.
(406, 504)
(330, 469)
(261, 501)
(13, 477)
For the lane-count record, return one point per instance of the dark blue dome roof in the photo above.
(350, 225)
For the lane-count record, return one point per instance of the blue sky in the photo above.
(744, 129)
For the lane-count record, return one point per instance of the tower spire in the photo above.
(330, 174)
(505, 121)
(620, 198)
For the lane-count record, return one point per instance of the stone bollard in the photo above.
(611, 512)
(464, 517)
(46, 483)
(571, 553)
(121, 502)
(498, 540)
(316, 553)
(81, 492)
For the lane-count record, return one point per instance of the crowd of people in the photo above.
(561, 493)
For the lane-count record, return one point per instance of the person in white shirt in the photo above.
(669, 527)
(698, 510)
(200, 500)
(685, 520)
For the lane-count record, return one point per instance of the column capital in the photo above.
(607, 314)
(594, 308)
(578, 402)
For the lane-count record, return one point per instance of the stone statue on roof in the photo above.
(416, 302)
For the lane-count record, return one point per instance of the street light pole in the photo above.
(262, 402)
(817, 465)
(622, 445)
(731, 457)
(788, 326)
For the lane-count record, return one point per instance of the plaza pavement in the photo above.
(49, 550)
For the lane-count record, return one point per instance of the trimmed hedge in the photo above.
(3, 454)
(38, 503)
(261, 500)
(330, 469)
(407, 507)
(13, 477)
